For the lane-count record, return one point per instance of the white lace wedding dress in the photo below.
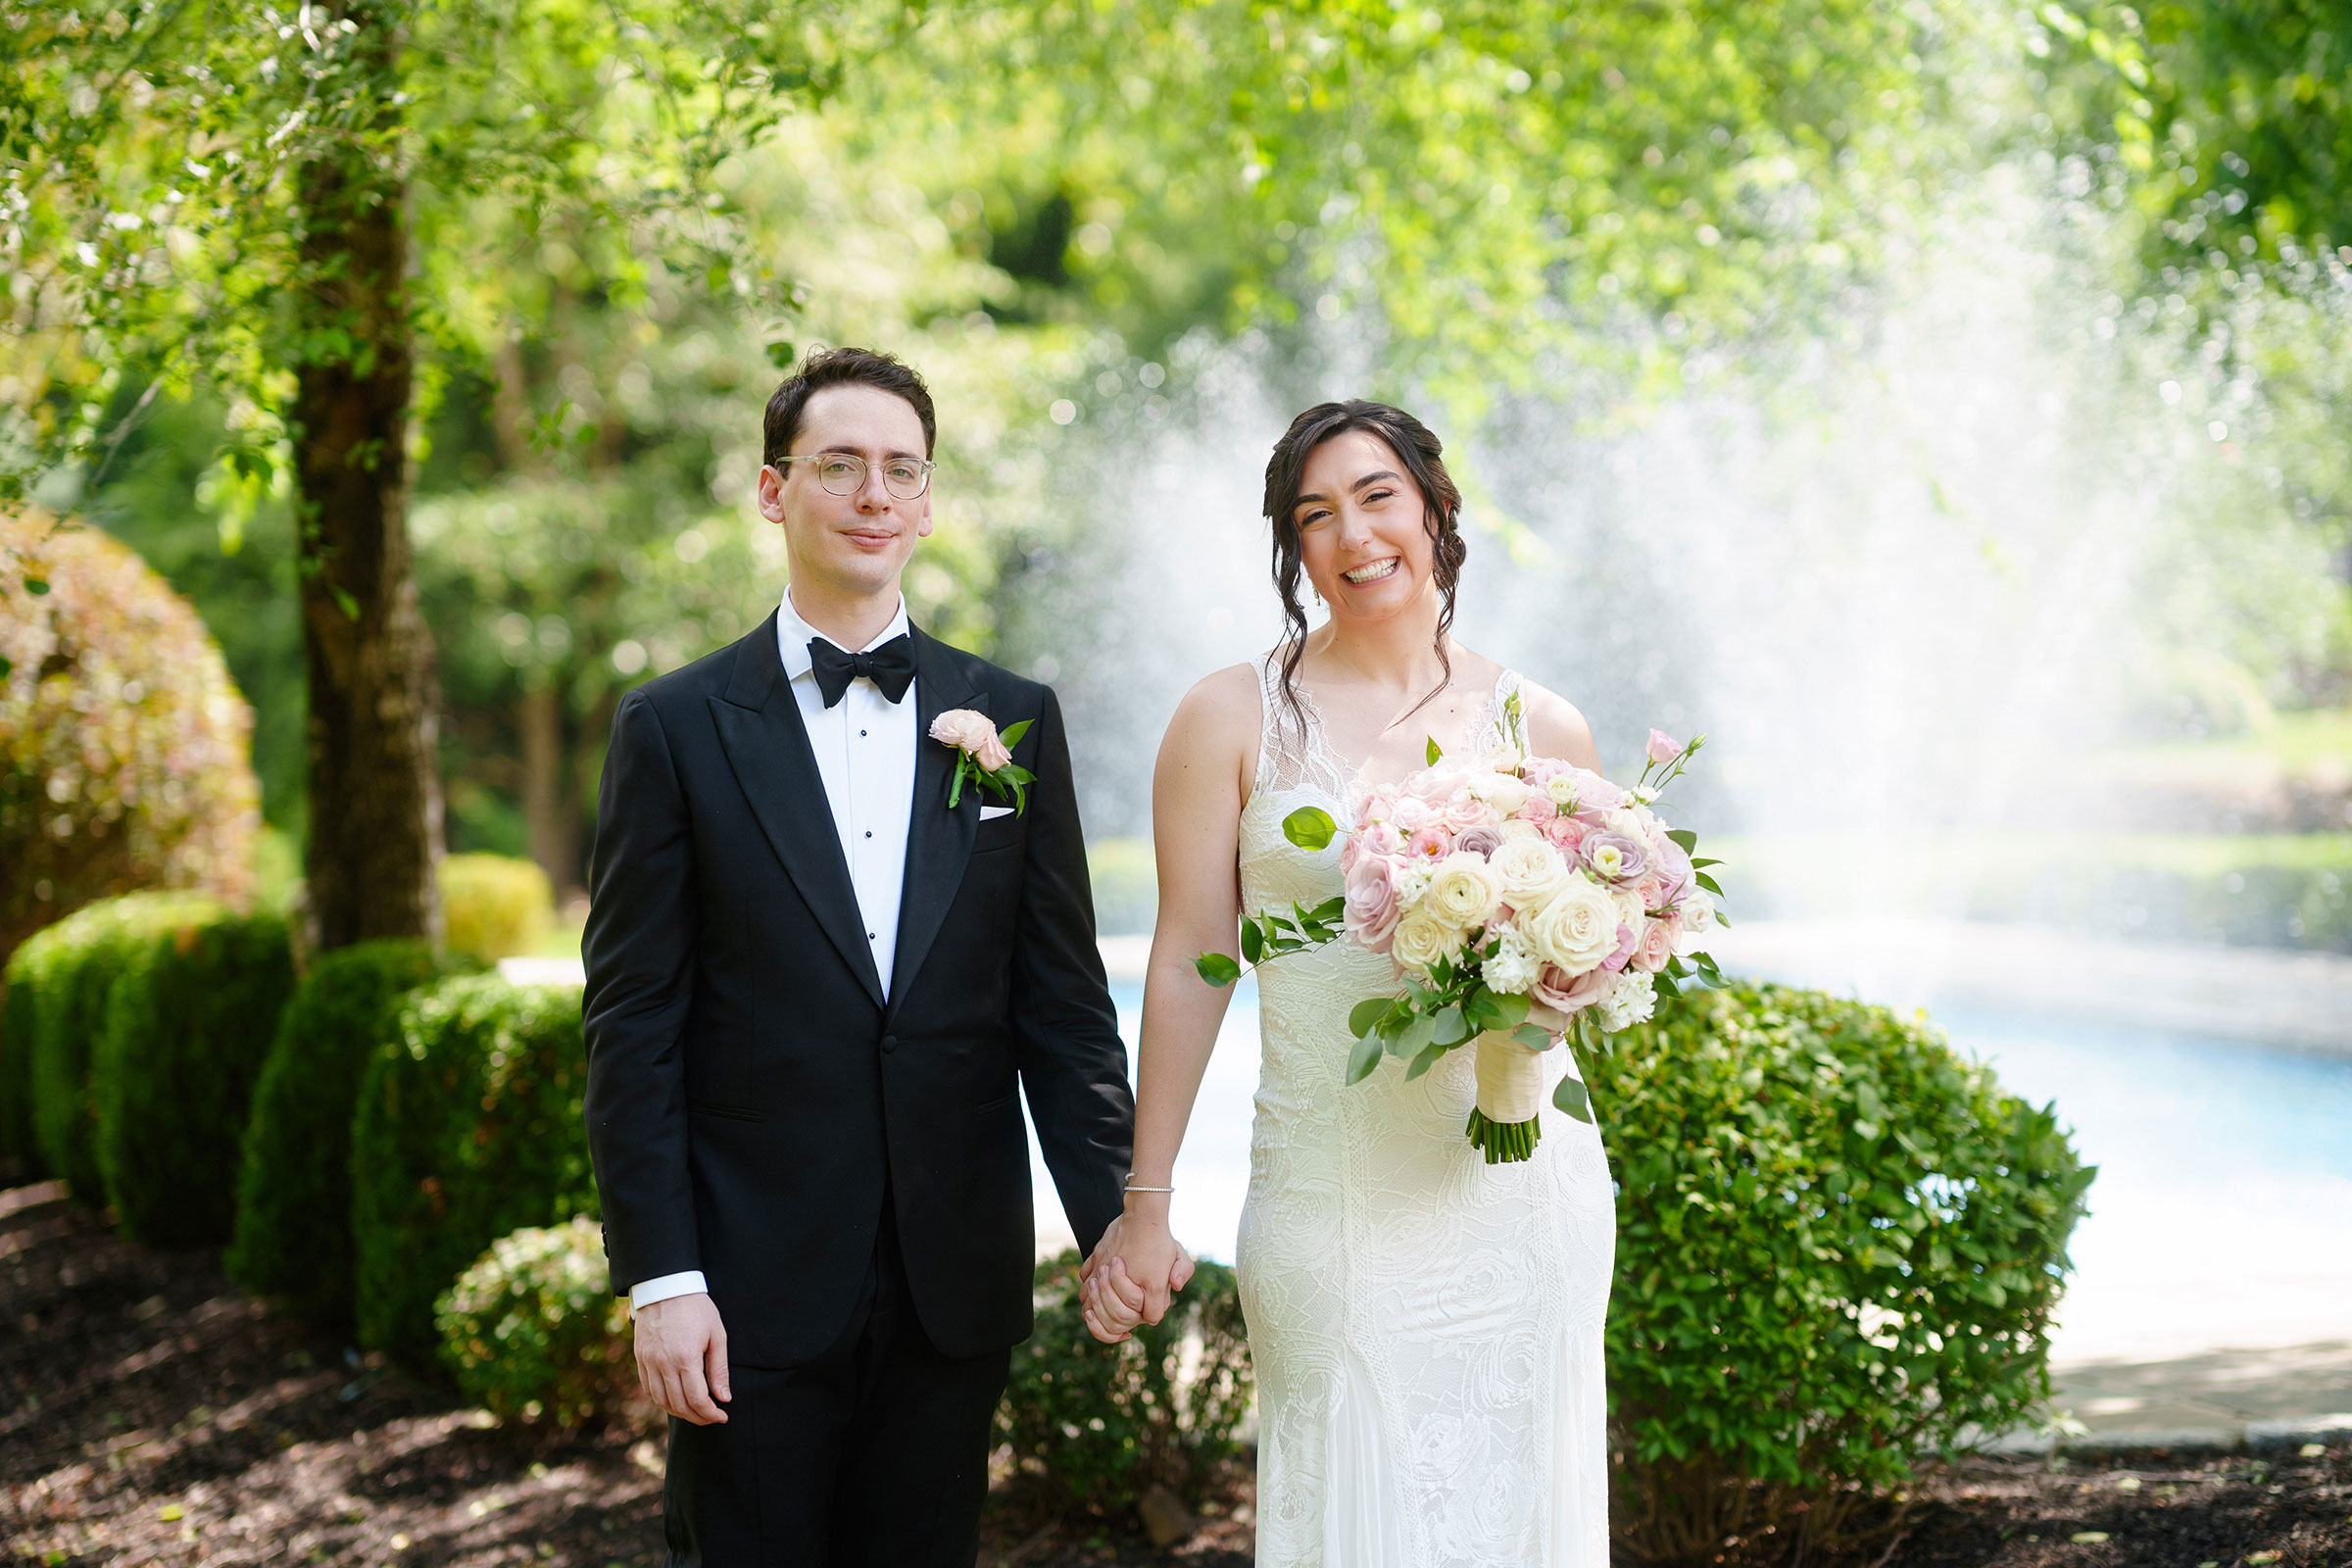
(1426, 1328)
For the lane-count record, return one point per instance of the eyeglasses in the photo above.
(843, 473)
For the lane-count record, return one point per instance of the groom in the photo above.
(815, 991)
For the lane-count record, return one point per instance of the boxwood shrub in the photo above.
(58, 981)
(495, 905)
(188, 1021)
(468, 1127)
(1839, 1244)
(16, 1071)
(533, 1331)
(1099, 1424)
(292, 1240)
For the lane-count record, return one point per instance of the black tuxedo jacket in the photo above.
(753, 1095)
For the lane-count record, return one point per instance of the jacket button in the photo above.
(890, 1043)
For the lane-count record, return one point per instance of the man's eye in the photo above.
(836, 466)
(903, 472)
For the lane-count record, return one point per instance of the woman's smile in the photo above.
(1375, 570)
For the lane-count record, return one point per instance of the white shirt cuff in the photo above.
(645, 1293)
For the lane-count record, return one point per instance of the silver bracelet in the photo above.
(1128, 1186)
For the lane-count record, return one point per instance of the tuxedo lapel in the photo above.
(939, 841)
(767, 746)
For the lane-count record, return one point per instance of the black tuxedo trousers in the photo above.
(756, 1105)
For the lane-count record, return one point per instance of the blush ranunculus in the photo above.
(972, 732)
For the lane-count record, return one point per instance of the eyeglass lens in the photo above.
(841, 474)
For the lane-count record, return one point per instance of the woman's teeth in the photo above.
(1373, 572)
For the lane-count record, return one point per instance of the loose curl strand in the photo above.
(1418, 447)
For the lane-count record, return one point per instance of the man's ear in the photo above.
(771, 493)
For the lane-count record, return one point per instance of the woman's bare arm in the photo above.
(1554, 728)
(1197, 790)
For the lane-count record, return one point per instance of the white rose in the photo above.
(1562, 790)
(1508, 794)
(1514, 965)
(1463, 891)
(1576, 928)
(1630, 1001)
(1528, 867)
(1420, 941)
(1697, 917)
(1629, 912)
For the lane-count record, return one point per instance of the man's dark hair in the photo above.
(841, 367)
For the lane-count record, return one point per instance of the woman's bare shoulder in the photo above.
(1220, 710)
(1554, 727)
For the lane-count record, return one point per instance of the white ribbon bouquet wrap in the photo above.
(1525, 902)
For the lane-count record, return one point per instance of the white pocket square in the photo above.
(989, 813)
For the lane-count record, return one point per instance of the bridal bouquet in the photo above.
(1523, 901)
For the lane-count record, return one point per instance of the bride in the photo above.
(1425, 1327)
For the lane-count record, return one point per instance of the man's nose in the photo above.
(873, 498)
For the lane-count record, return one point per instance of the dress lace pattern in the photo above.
(1425, 1327)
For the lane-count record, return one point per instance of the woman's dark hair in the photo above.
(1418, 447)
(838, 367)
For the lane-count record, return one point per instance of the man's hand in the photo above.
(682, 1358)
(1130, 1277)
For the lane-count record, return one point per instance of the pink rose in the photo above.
(1465, 810)
(1411, 814)
(1372, 907)
(1566, 831)
(972, 733)
(1663, 748)
(1652, 891)
(1557, 994)
(1538, 809)
(1382, 838)
(1656, 946)
(1626, 942)
(1432, 844)
(1351, 849)
(1595, 794)
(1479, 839)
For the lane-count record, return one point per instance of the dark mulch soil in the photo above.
(149, 1413)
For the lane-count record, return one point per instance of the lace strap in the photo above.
(1495, 731)
(1270, 717)
(1291, 752)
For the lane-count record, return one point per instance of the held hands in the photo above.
(1133, 1272)
(682, 1358)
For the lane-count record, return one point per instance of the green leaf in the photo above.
(1666, 986)
(955, 785)
(7, 664)
(1217, 968)
(1363, 1059)
(1424, 1061)
(1513, 1008)
(1311, 827)
(1533, 1037)
(343, 602)
(1699, 864)
(1417, 1036)
(35, 586)
(1684, 837)
(1330, 910)
(1452, 1028)
(1364, 1017)
(1253, 942)
(1707, 882)
(1433, 752)
(1570, 1098)
(1012, 734)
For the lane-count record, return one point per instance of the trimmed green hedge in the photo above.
(534, 1333)
(15, 1070)
(188, 1021)
(468, 1127)
(293, 1228)
(1839, 1244)
(1101, 1423)
(58, 984)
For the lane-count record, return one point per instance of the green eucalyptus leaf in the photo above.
(1363, 1059)
(1570, 1098)
(1512, 1008)
(1421, 1064)
(1451, 1027)
(1415, 1037)
(1365, 1015)
(1533, 1037)
(1311, 827)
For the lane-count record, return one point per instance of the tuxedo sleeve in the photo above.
(639, 947)
(1073, 1063)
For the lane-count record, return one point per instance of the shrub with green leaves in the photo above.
(468, 1127)
(58, 983)
(124, 747)
(188, 1021)
(495, 905)
(1101, 1423)
(293, 1228)
(533, 1331)
(1839, 1244)
(16, 1067)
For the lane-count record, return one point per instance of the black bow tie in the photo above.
(891, 667)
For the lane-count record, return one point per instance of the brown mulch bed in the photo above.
(149, 1413)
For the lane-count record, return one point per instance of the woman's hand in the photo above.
(1131, 1276)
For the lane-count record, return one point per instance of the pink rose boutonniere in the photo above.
(984, 757)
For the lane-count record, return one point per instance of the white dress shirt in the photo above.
(866, 748)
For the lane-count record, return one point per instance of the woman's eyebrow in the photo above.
(1373, 478)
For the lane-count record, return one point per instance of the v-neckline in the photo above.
(1319, 736)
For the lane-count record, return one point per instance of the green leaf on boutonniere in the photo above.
(1311, 827)
(1012, 734)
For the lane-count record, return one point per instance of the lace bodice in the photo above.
(1426, 1328)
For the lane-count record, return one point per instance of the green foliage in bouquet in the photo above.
(468, 1127)
(533, 1331)
(1839, 1243)
(58, 982)
(495, 905)
(188, 1021)
(293, 1226)
(1101, 1423)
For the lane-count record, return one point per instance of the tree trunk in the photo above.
(375, 775)
(553, 817)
